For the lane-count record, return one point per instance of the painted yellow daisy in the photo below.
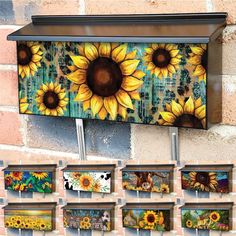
(165, 188)
(51, 99)
(40, 175)
(189, 223)
(24, 105)
(198, 58)
(188, 113)
(205, 181)
(106, 78)
(162, 60)
(150, 218)
(29, 56)
(86, 182)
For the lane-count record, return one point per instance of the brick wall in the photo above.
(48, 140)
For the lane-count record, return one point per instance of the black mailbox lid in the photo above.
(166, 28)
(207, 206)
(90, 167)
(90, 206)
(31, 206)
(147, 205)
(208, 168)
(41, 167)
(145, 167)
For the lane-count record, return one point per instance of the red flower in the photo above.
(8, 180)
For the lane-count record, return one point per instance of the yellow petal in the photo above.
(135, 95)
(35, 48)
(199, 70)
(111, 105)
(122, 111)
(42, 107)
(128, 67)
(47, 112)
(105, 49)
(60, 111)
(147, 58)
(63, 103)
(90, 51)
(200, 112)
(177, 109)
(119, 53)
(23, 107)
(195, 60)
(54, 112)
(61, 95)
(26, 70)
(36, 58)
(170, 47)
(72, 68)
(149, 50)
(51, 86)
(171, 68)
(74, 87)
(138, 74)
(198, 102)
(189, 106)
(124, 99)
(155, 46)
(57, 88)
(81, 50)
(20, 68)
(168, 107)
(164, 71)
(130, 83)
(80, 61)
(151, 66)
(175, 61)
(174, 53)
(114, 45)
(33, 66)
(131, 55)
(157, 71)
(168, 116)
(84, 93)
(86, 105)
(96, 104)
(22, 74)
(102, 113)
(77, 77)
(197, 50)
(45, 87)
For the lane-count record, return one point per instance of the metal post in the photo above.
(20, 233)
(80, 138)
(174, 139)
(138, 232)
(78, 231)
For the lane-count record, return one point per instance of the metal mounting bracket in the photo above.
(174, 140)
(80, 138)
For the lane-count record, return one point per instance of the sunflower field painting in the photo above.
(99, 220)
(27, 181)
(151, 181)
(206, 219)
(159, 84)
(205, 181)
(158, 220)
(88, 181)
(39, 220)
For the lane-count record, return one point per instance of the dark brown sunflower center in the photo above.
(151, 218)
(104, 77)
(161, 58)
(204, 60)
(188, 121)
(51, 100)
(24, 54)
(86, 182)
(203, 178)
(214, 216)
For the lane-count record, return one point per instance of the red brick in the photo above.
(9, 88)
(8, 48)
(10, 128)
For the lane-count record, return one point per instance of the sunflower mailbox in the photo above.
(150, 69)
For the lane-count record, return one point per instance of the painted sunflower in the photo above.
(40, 175)
(205, 181)
(214, 216)
(162, 60)
(51, 99)
(86, 219)
(165, 188)
(96, 187)
(16, 175)
(29, 56)
(188, 113)
(150, 218)
(189, 223)
(106, 79)
(198, 58)
(24, 106)
(86, 182)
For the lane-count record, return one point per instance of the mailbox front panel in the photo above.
(88, 181)
(29, 181)
(158, 220)
(88, 219)
(206, 219)
(40, 220)
(147, 181)
(160, 84)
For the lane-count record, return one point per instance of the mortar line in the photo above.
(209, 5)
(8, 67)
(82, 7)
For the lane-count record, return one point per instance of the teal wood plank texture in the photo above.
(158, 84)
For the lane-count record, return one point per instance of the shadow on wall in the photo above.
(102, 138)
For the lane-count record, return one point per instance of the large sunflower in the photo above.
(188, 113)
(86, 182)
(29, 56)
(214, 216)
(162, 59)
(40, 175)
(24, 106)
(150, 218)
(204, 181)
(16, 175)
(51, 99)
(189, 223)
(198, 58)
(106, 79)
